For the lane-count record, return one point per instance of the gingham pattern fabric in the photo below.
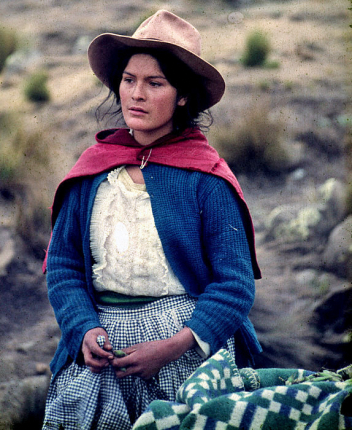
(214, 398)
(80, 399)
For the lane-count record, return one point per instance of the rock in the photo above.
(279, 216)
(7, 249)
(297, 175)
(332, 206)
(333, 318)
(42, 369)
(307, 277)
(18, 63)
(338, 252)
(22, 402)
(317, 282)
(81, 45)
(26, 347)
(287, 225)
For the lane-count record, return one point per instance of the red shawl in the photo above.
(190, 150)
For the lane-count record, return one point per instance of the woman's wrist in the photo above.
(181, 342)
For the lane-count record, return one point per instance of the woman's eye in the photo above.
(155, 84)
(128, 80)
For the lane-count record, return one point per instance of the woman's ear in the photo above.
(182, 101)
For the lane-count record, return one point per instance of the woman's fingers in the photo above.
(95, 357)
(143, 360)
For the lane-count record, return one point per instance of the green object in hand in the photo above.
(119, 353)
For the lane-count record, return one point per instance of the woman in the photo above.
(151, 263)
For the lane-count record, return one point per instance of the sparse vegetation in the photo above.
(273, 64)
(257, 49)
(24, 161)
(36, 89)
(264, 85)
(8, 44)
(254, 144)
(22, 151)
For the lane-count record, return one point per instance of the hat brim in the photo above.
(103, 51)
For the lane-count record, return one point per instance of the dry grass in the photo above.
(253, 144)
(27, 176)
(8, 44)
(21, 151)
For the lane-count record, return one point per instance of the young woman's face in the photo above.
(148, 100)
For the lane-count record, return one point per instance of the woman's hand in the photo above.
(146, 359)
(95, 357)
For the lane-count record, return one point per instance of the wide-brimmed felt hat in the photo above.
(163, 30)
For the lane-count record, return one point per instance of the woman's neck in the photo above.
(135, 174)
(145, 138)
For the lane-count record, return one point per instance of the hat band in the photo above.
(147, 38)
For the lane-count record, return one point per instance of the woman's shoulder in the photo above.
(74, 189)
(84, 181)
(187, 182)
(178, 173)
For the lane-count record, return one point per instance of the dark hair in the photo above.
(179, 75)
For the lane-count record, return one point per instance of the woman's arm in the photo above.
(227, 299)
(66, 278)
(199, 220)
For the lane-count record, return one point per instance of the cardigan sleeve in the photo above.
(225, 303)
(66, 279)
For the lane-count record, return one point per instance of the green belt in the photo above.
(110, 298)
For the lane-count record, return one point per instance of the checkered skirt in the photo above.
(80, 399)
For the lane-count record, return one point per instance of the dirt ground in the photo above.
(309, 92)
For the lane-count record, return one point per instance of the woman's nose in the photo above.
(138, 92)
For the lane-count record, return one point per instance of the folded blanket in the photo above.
(221, 396)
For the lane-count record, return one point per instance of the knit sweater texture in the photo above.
(198, 218)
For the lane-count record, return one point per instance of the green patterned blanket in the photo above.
(219, 396)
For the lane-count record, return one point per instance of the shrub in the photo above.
(8, 45)
(257, 50)
(253, 144)
(36, 89)
(24, 162)
(19, 149)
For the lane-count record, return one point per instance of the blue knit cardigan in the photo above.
(198, 218)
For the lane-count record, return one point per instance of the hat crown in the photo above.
(166, 27)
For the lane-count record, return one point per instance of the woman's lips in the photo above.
(137, 110)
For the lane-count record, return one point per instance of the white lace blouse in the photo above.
(128, 254)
